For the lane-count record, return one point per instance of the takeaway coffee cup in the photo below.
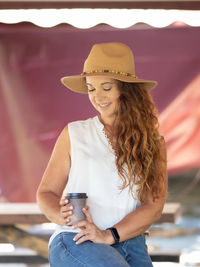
(78, 201)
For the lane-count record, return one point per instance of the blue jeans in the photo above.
(63, 252)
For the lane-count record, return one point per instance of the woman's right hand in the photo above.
(66, 212)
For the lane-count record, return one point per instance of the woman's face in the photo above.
(103, 94)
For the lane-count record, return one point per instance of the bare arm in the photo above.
(55, 179)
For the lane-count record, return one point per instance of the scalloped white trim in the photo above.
(87, 18)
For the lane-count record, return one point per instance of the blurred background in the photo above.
(42, 41)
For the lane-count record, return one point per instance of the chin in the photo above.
(107, 115)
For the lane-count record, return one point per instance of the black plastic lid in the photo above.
(76, 195)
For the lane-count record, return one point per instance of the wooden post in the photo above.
(17, 236)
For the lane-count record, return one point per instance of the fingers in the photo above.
(81, 224)
(87, 207)
(87, 214)
(85, 233)
(89, 231)
(66, 211)
(63, 201)
(81, 239)
(66, 208)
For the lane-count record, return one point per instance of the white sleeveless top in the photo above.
(93, 171)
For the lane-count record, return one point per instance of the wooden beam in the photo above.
(29, 213)
(130, 4)
(170, 213)
(165, 256)
(17, 236)
(23, 213)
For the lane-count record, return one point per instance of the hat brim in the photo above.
(77, 84)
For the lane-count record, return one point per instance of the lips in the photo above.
(104, 105)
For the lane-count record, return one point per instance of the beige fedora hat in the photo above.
(113, 60)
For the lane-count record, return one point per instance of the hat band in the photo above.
(109, 71)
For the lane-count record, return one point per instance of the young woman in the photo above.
(118, 158)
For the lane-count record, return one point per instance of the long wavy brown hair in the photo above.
(138, 142)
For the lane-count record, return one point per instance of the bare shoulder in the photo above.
(64, 134)
(63, 141)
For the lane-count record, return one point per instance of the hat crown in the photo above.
(110, 56)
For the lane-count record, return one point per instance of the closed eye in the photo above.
(107, 86)
(107, 89)
(90, 88)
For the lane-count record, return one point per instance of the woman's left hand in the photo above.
(89, 231)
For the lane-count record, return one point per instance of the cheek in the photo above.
(116, 94)
(116, 98)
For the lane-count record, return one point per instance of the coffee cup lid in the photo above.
(76, 195)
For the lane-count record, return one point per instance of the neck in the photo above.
(109, 122)
(108, 126)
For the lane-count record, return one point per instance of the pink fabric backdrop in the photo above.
(35, 106)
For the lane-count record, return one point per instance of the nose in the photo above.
(99, 95)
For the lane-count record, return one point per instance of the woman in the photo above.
(118, 158)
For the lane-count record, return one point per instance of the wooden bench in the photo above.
(17, 218)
